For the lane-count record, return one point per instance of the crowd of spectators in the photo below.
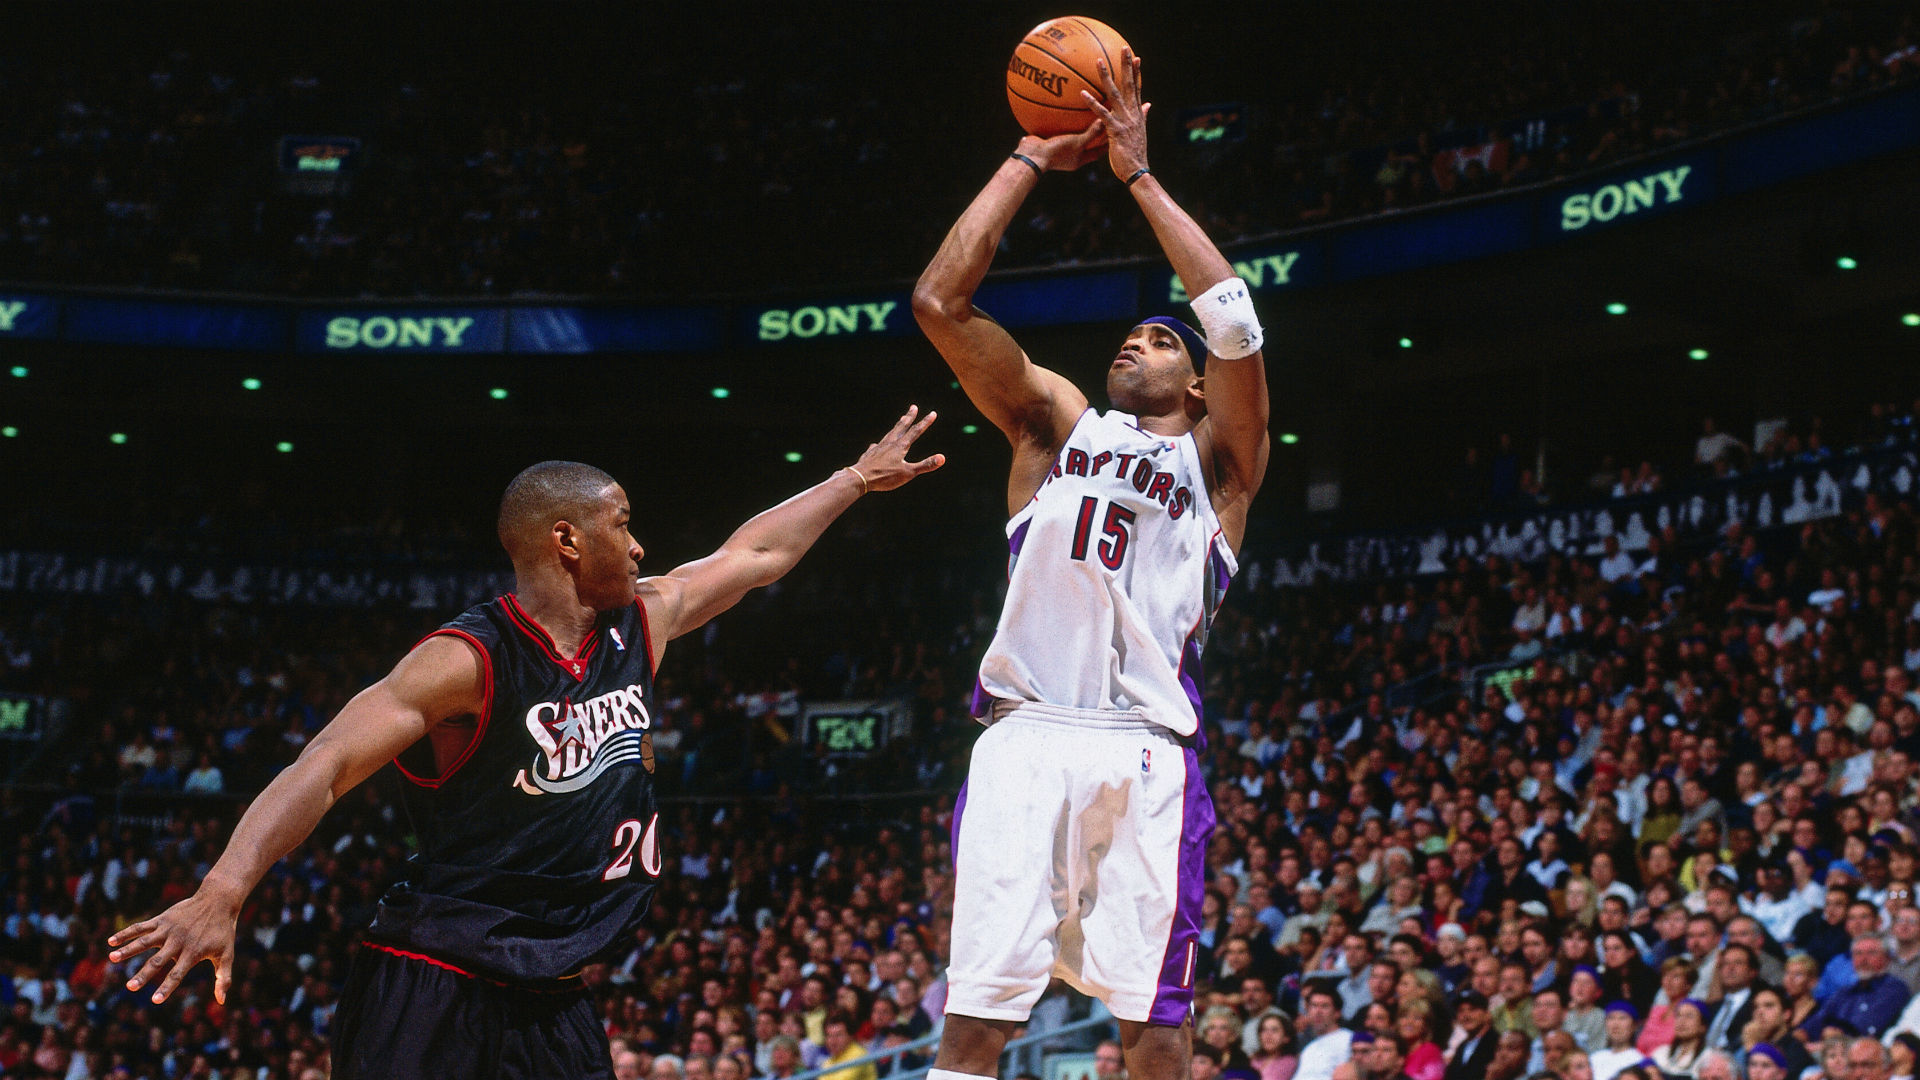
(1675, 834)
(1507, 476)
(538, 157)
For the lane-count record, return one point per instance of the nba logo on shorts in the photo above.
(1146, 759)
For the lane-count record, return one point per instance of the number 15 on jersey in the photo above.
(1113, 549)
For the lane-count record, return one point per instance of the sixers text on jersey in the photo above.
(580, 740)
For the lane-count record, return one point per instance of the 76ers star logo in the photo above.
(580, 740)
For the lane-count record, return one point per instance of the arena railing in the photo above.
(1103, 1025)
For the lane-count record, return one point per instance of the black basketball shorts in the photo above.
(406, 1017)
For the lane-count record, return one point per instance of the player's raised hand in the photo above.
(1065, 153)
(201, 927)
(1124, 115)
(885, 465)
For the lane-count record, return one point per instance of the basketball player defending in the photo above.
(522, 730)
(1080, 837)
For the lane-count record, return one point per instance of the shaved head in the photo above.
(543, 494)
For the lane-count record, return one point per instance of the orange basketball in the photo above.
(1051, 65)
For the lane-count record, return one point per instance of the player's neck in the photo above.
(554, 605)
(1172, 425)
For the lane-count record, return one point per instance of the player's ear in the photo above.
(566, 539)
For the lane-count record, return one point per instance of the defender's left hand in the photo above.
(885, 463)
(1124, 114)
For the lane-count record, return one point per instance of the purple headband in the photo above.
(1625, 1007)
(1770, 1052)
(1196, 345)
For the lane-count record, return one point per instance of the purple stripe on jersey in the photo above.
(982, 704)
(953, 831)
(1018, 538)
(1173, 1002)
(1190, 680)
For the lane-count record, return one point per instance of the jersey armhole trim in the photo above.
(486, 710)
(646, 635)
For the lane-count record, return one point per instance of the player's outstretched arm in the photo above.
(1233, 436)
(442, 677)
(761, 552)
(1036, 408)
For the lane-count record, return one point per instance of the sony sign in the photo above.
(776, 324)
(383, 332)
(1268, 272)
(1629, 197)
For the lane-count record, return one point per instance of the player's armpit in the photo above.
(1238, 412)
(1233, 440)
(662, 599)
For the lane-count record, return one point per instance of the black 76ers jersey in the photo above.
(539, 847)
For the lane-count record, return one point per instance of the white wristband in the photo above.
(1226, 315)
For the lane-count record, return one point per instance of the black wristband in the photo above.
(1028, 162)
(1137, 174)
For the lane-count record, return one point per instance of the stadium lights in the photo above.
(118, 438)
(19, 371)
(793, 456)
(1406, 343)
(1289, 438)
(284, 447)
(10, 432)
(1846, 262)
(954, 385)
(1697, 354)
(722, 393)
(1616, 308)
(498, 393)
(970, 429)
(249, 384)
(1911, 318)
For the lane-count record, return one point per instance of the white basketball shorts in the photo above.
(1079, 846)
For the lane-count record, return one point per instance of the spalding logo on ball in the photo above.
(1051, 65)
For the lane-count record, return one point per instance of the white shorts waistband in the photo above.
(1117, 720)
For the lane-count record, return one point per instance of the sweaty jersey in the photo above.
(1116, 567)
(538, 844)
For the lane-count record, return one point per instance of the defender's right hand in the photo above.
(1066, 153)
(201, 927)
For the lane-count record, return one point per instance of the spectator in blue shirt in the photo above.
(1872, 1003)
(1862, 920)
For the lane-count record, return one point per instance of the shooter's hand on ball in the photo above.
(1066, 153)
(1125, 117)
(201, 927)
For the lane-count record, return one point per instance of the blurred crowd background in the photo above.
(1646, 802)
(553, 160)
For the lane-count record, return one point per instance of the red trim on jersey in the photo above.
(576, 667)
(486, 710)
(422, 957)
(646, 634)
(463, 972)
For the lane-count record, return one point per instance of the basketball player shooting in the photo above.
(522, 729)
(1123, 532)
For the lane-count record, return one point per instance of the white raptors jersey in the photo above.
(1116, 567)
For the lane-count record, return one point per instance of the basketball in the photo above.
(1051, 65)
